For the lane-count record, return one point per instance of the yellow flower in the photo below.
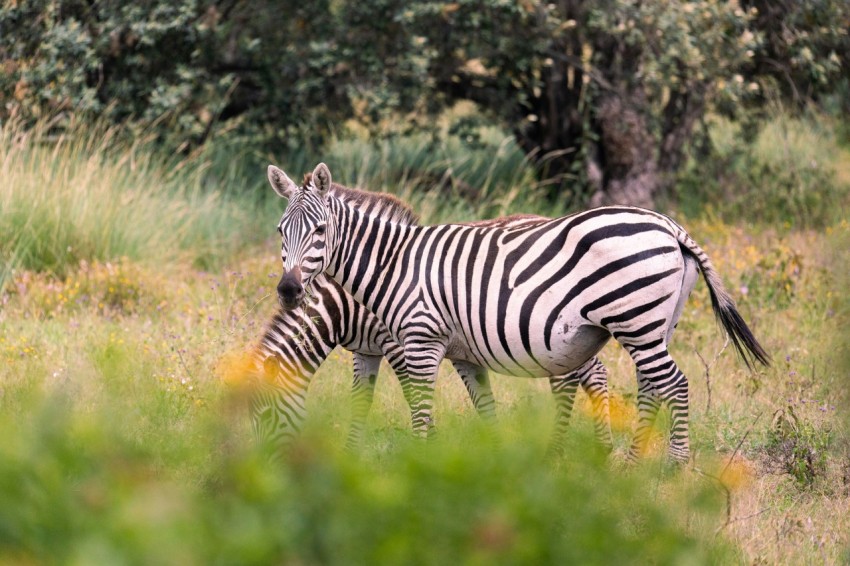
(237, 369)
(623, 413)
(736, 474)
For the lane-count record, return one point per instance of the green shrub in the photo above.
(787, 175)
(78, 488)
(797, 447)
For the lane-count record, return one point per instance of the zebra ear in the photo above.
(282, 185)
(322, 179)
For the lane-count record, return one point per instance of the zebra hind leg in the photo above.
(661, 381)
(477, 382)
(648, 404)
(362, 393)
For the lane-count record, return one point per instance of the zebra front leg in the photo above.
(395, 357)
(423, 363)
(564, 391)
(278, 407)
(362, 392)
(593, 378)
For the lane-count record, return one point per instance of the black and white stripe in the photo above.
(539, 300)
(297, 341)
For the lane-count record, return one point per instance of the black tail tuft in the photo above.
(742, 337)
(724, 306)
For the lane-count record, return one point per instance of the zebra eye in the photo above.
(320, 229)
(279, 230)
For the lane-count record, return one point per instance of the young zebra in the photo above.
(296, 342)
(294, 345)
(536, 300)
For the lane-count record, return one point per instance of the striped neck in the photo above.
(298, 343)
(364, 247)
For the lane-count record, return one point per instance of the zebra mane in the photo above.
(383, 205)
(511, 221)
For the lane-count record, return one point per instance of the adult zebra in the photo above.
(569, 283)
(296, 342)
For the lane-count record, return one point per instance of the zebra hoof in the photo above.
(678, 456)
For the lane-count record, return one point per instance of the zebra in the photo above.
(296, 342)
(569, 284)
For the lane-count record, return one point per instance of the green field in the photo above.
(132, 285)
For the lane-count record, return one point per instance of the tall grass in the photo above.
(445, 175)
(89, 194)
(95, 193)
(788, 175)
(118, 478)
(446, 179)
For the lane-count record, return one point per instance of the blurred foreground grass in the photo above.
(80, 487)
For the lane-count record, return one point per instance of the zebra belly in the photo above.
(571, 349)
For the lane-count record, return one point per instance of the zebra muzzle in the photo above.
(290, 291)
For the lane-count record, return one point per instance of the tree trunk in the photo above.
(625, 170)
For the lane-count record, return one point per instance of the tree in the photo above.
(804, 47)
(607, 97)
(181, 67)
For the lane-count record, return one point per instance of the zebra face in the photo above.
(303, 231)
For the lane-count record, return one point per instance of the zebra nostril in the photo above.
(290, 292)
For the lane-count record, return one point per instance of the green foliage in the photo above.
(179, 67)
(804, 49)
(798, 447)
(289, 76)
(610, 93)
(786, 175)
(93, 492)
(683, 49)
(150, 61)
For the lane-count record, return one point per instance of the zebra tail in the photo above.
(724, 306)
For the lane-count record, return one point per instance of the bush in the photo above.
(787, 175)
(91, 493)
(797, 447)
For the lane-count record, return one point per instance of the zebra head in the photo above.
(303, 230)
